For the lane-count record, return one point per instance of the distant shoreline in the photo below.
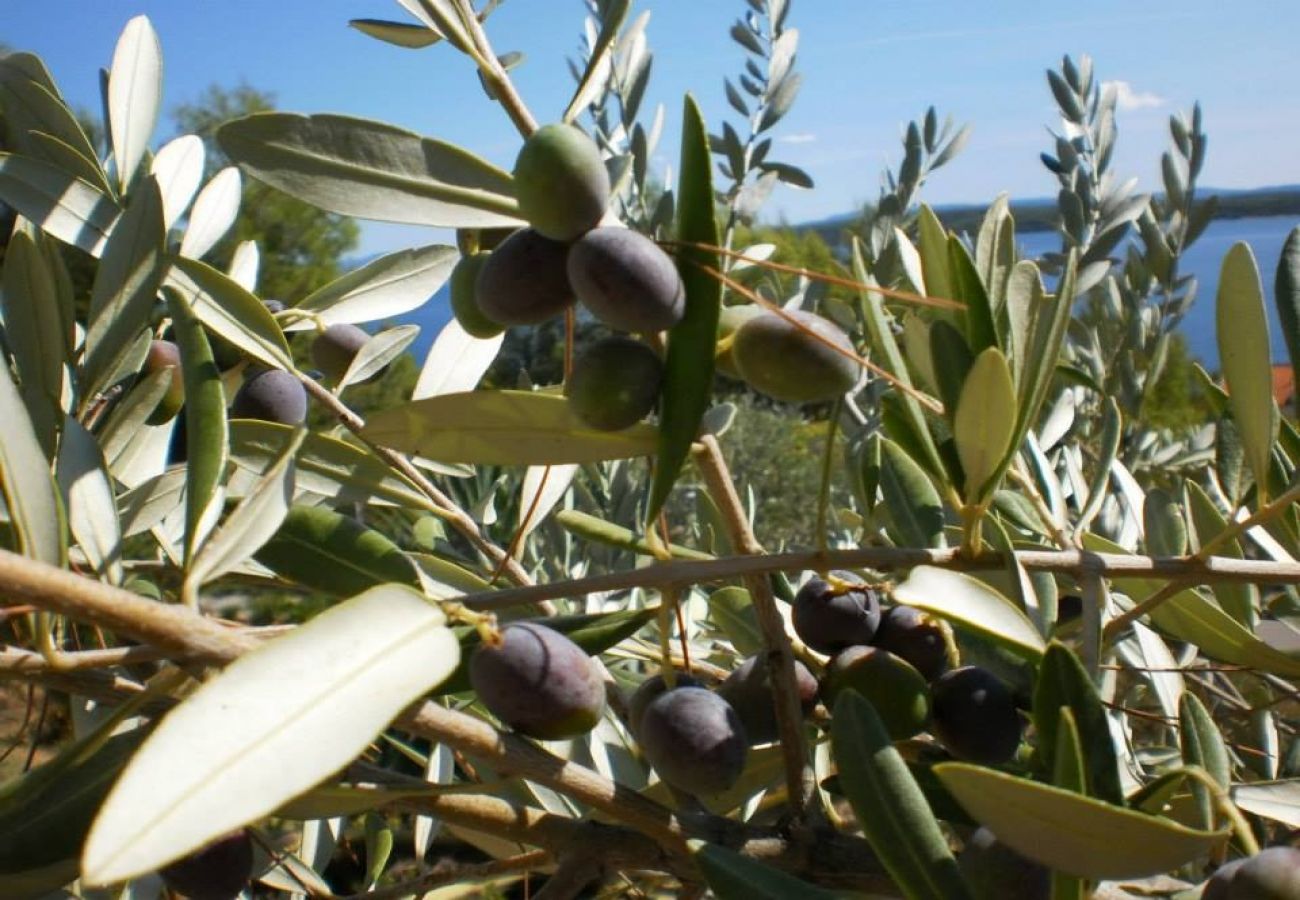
(1041, 214)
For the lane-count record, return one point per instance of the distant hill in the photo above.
(1039, 214)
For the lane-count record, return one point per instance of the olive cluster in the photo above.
(794, 355)
(903, 662)
(565, 256)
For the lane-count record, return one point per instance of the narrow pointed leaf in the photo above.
(981, 332)
(88, 497)
(1063, 683)
(974, 605)
(1202, 745)
(231, 312)
(542, 488)
(30, 496)
(503, 428)
(216, 762)
(319, 548)
(367, 169)
(378, 352)
(1075, 834)
(456, 362)
(1286, 294)
(35, 332)
(1276, 800)
(205, 424)
(599, 62)
(384, 288)
(74, 211)
(592, 528)
(1242, 329)
(984, 423)
(915, 508)
(890, 808)
(688, 368)
(399, 34)
(126, 286)
(215, 210)
(134, 96)
(178, 167)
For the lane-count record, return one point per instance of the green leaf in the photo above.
(1286, 294)
(1048, 319)
(503, 428)
(975, 605)
(134, 96)
(231, 312)
(399, 34)
(178, 167)
(40, 124)
(87, 492)
(1068, 774)
(378, 352)
(126, 287)
(30, 497)
(327, 551)
(1075, 834)
(1024, 298)
(1242, 329)
(1276, 800)
(252, 523)
(327, 466)
(594, 633)
(329, 801)
(371, 170)
(216, 761)
(1237, 600)
(1163, 524)
(215, 211)
(36, 333)
(890, 808)
(205, 424)
(733, 876)
(598, 70)
(984, 423)
(981, 332)
(688, 368)
(1202, 745)
(384, 288)
(74, 211)
(732, 609)
(592, 528)
(915, 509)
(933, 247)
(951, 358)
(45, 816)
(1063, 683)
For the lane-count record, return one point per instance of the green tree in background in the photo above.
(301, 246)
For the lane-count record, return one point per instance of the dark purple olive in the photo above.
(749, 691)
(694, 740)
(217, 872)
(975, 716)
(922, 640)
(829, 619)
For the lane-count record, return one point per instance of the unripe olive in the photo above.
(924, 641)
(896, 690)
(785, 362)
(829, 620)
(694, 740)
(164, 355)
(626, 280)
(749, 691)
(1271, 874)
(615, 383)
(539, 682)
(464, 305)
(561, 182)
(333, 349)
(975, 716)
(524, 281)
(272, 395)
(648, 691)
(993, 871)
(217, 872)
(730, 318)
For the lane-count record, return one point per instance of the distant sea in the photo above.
(1264, 234)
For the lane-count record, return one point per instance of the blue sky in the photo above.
(869, 66)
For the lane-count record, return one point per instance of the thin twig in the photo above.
(495, 75)
(779, 658)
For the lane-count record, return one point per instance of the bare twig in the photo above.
(800, 781)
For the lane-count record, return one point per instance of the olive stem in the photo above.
(799, 777)
(828, 459)
(495, 75)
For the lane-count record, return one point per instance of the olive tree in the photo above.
(527, 634)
